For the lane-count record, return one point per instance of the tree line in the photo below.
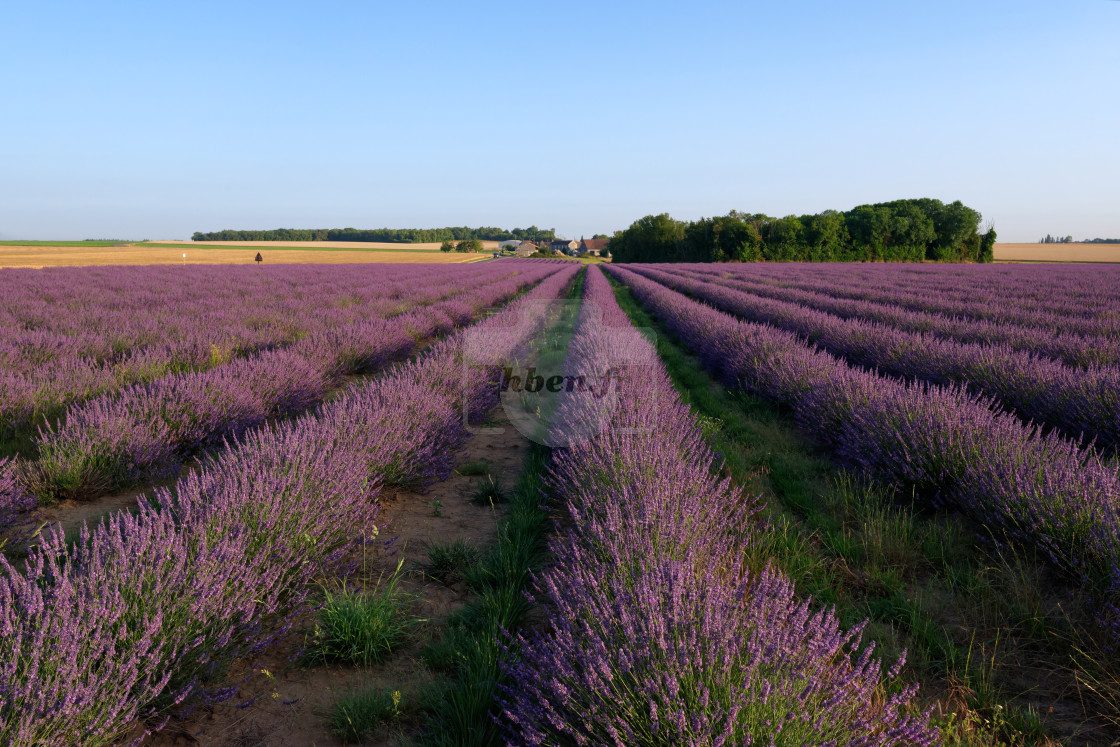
(900, 231)
(1069, 240)
(466, 245)
(394, 235)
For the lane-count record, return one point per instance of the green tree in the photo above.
(987, 245)
(825, 236)
(446, 246)
(654, 238)
(784, 239)
(909, 230)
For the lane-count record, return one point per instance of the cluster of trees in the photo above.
(467, 245)
(400, 235)
(1069, 240)
(899, 231)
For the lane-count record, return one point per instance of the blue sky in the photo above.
(155, 120)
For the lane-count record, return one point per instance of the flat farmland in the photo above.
(1057, 252)
(861, 504)
(226, 253)
(368, 246)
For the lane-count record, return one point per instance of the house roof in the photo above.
(594, 245)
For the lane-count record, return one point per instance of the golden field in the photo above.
(231, 254)
(367, 245)
(1057, 252)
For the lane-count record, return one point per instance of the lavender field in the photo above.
(1020, 440)
(817, 504)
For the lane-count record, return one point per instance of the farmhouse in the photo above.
(563, 246)
(592, 247)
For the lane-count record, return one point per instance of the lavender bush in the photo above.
(14, 499)
(1026, 295)
(657, 633)
(952, 446)
(1044, 334)
(69, 334)
(1072, 300)
(1078, 401)
(145, 611)
(146, 430)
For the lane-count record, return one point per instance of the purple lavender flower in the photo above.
(949, 444)
(657, 633)
(143, 612)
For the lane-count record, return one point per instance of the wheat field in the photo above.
(1057, 252)
(230, 253)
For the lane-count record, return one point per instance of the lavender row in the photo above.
(69, 343)
(1039, 338)
(1066, 290)
(102, 313)
(146, 430)
(1009, 303)
(945, 444)
(14, 497)
(657, 632)
(1076, 300)
(145, 611)
(1081, 402)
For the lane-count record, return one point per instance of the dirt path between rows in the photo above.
(287, 706)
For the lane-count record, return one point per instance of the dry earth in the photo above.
(1057, 252)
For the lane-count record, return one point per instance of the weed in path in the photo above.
(360, 627)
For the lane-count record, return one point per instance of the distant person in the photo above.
(259, 258)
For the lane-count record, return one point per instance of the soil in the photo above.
(284, 702)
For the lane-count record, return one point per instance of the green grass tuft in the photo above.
(448, 562)
(477, 468)
(354, 717)
(489, 492)
(362, 628)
